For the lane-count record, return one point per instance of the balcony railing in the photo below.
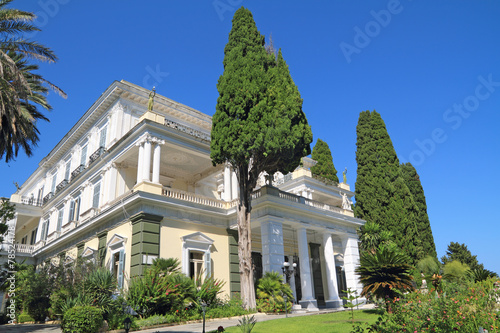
(62, 185)
(24, 248)
(187, 130)
(195, 198)
(47, 197)
(96, 155)
(31, 201)
(77, 171)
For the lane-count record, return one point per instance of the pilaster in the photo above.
(145, 241)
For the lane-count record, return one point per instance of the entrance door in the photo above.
(316, 272)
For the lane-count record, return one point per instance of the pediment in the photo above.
(116, 241)
(88, 252)
(197, 237)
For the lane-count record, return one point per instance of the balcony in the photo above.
(77, 171)
(61, 185)
(96, 155)
(25, 248)
(31, 201)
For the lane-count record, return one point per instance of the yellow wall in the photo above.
(171, 245)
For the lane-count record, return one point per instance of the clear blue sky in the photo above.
(430, 68)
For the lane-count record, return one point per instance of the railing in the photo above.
(77, 171)
(192, 197)
(25, 248)
(187, 130)
(47, 197)
(31, 201)
(321, 205)
(96, 155)
(62, 185)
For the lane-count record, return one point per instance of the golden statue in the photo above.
(151, 101)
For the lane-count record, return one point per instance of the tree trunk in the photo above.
(245, 248)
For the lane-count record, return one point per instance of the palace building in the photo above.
(126, 185)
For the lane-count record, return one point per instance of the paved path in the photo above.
(210, 325)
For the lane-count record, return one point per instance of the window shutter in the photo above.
(97, 193)
(83, 159)
(60, 219)
(77, 208)
(72, 211)
(102, 139)
(121, 267)
(42, 235)
(208, 268)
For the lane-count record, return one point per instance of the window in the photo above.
(60, 218)
(97, 193)
(116, 246)
(45, 229)
(195, 264)
(24, 240)
(74, 209)
(40, 194)
(102, 137)
(196, 257)
(33, 236)
(68, 170)
(83, 156)
(54, 180)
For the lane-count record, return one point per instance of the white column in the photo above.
(307, 300)
(111, 183)
(273, 252)
(333, 300)
(234, 186)
(226, 196)
(147, 160)
(156, 162)
(351, 261)
(140, 162)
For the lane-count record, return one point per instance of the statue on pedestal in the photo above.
(151, 101)
(346, 203)
(344, 173)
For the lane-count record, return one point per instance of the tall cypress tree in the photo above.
(412, 180)
(323, 156)
(381, 193)
(258, 125)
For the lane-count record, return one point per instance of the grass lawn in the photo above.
(325, 323)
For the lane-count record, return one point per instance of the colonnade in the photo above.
(145, 145)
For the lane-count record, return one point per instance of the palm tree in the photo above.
(21, 90)
(384, 272)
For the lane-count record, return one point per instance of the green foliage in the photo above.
(246, 324)
(167, 265)
(384, 273)
(455, 271)
(324, 167)
(231, 308)
(7, 213)
(412, 180)
(208, 290)
(351, 301)
(21, 90)
(24, 318)
(270, 292)
(428, 266)
(460, 252)
(478, 275)
(371, 237)
(99, 286)
(382, 195)
(460, 307)
(157, 292)
(33, 292)
(82, 319)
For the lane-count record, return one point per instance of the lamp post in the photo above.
(126, 324)
(287, 272)
(204, 309)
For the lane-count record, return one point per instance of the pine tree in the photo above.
(324, 168)
(381, 193)
(412, 180)
(461, 253)
(258, 125)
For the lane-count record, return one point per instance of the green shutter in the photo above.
(234, 272)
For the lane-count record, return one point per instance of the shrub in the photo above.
(209, 290)
(24, 318)
(270, 292)
(82, 319)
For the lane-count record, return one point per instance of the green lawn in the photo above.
(338, 322)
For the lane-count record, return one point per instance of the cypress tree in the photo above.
(324, 168)
(412, 180)
(381, 193)
(258, 125)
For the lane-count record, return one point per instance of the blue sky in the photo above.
(431, 69)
